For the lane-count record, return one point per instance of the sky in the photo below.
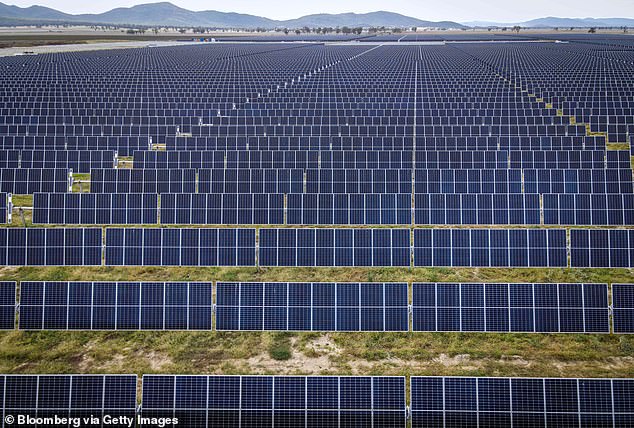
(434, 10)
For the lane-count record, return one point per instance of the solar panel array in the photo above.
(306, 306)
(5, 208)
(143, 181)
(277, 401)
(229, 208)
(490, 248)
(91, 208)
(50, 247)
(67, 396)
(180, 247)
(115, 306)
(334, 247)
(534, 308)
(477, 209)
(80, 161)
(312, 306)
(315, 134)
(601, 248)
(29, 181)
(438, 402)
(623, 308)
(353, 209)
(7, 305)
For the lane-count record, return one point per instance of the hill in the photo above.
(167, 14)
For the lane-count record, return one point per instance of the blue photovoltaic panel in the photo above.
(589, 210)
(623, 308)
(143, 181)
(500, 181)
(312, 306)
(180, 247)
(438, 402)
(4, 208)
(250, 181)
(115, 306)
(334, 247)
(76, 396)
(601, 248)
(91, 208)
(331, 209)
(535, 308)
(7, 305)
(277, 401)
(433, 159)
(480, 209)
(9, 159)
(358, 181)
(490, 248)
(80, 161)
(29, 181)
(230, 208)
(50, 247)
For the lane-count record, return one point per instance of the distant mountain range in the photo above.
(167, 14)
(554, 22)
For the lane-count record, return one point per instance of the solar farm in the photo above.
(392, 231)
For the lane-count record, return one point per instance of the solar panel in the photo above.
(312, 306)
(468, 181)
(276, 401)
(535, 308)
(115, 306)
(50, 247)
(9, 159)
(334, 247)
(521, 402)
(80, 161)
(623, 308)
(91, 208)
(331, 209)
(67, 396)
(601, 248)
(5, 208)
(29, 181)
(480, 209)
(7, 305)
(250, 181)
(143, 181)
(490, 248)
(589, 210)
(358, 181)
(180, 247)
(231, 208)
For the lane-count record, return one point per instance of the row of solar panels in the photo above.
(436, 307)
(126, 146)
(323, 401)
(379, 143)
(317, 247)
(396, 129)
(569, 181)
(387, 159)
(80, 161)
(330, 209)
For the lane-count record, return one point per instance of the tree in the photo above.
(286, 31)
(346, 30)
(517, 28)
(298, 31)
